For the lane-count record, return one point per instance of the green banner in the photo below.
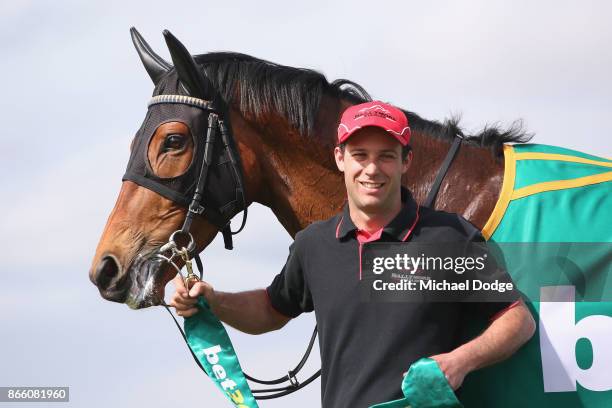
(212, 346)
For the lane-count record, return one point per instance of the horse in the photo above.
(282, 122)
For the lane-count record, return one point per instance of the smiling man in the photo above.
(366, 346)
(374, 163)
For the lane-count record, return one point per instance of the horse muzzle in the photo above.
(112, 282)
(139, 285)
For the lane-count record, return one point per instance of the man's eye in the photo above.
(174, 142)
(359, 155)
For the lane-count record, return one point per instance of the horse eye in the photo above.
(174, 142)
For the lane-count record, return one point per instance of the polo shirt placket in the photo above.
(395, 230)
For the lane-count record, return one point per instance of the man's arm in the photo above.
(504, 336)
(249, 312)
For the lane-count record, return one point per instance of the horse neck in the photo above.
(471, 185)
(301, 183)
(298, 180)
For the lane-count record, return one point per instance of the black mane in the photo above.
(258, 87)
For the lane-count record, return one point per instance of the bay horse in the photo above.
(283, 121)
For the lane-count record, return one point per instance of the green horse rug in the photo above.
(553, 225)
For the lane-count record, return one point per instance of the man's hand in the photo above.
(453, 367)
(249, 312)
(499, 341)
(184, 301)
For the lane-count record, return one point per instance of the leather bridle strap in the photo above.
(452, 152)
(226, 231)
(239, 178)
(195, 207)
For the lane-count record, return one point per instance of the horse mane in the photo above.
(258, 87)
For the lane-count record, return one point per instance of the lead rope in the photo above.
(204, 335)
(291, 377)
(172, 247)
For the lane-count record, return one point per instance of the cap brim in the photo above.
(402, 139)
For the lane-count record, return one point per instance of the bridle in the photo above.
(196, 208)
(181, 245)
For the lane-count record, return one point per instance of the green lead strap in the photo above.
(213, 348)
(425, 386)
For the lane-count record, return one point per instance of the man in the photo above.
(366, 346)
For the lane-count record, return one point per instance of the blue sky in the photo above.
(74, 93)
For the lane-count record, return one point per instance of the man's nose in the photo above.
(371, 168)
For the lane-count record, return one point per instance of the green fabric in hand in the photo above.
(424, 386)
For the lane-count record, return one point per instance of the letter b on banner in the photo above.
(559, 333)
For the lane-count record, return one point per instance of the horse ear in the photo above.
(155, 65)
(190, 75)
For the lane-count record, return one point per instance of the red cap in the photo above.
(374, 113)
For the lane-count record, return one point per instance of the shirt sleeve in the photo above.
(289, 293)
(490, 304)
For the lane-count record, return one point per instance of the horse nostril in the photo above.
(107, 270)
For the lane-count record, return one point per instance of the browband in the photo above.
(183, 99)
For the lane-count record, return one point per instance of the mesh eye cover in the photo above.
(222, 198)
(139, 169)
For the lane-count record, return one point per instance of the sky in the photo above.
(75, 92)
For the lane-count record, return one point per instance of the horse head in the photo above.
(166, 160)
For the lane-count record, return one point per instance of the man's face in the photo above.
(372, 165)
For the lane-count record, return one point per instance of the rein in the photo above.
(448, 160)
(270, 393)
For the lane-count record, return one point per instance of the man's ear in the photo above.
(339, 156)
(407, 162)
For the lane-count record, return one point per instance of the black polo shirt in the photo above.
(366, 346)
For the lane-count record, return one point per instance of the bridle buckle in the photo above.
(196, 208)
